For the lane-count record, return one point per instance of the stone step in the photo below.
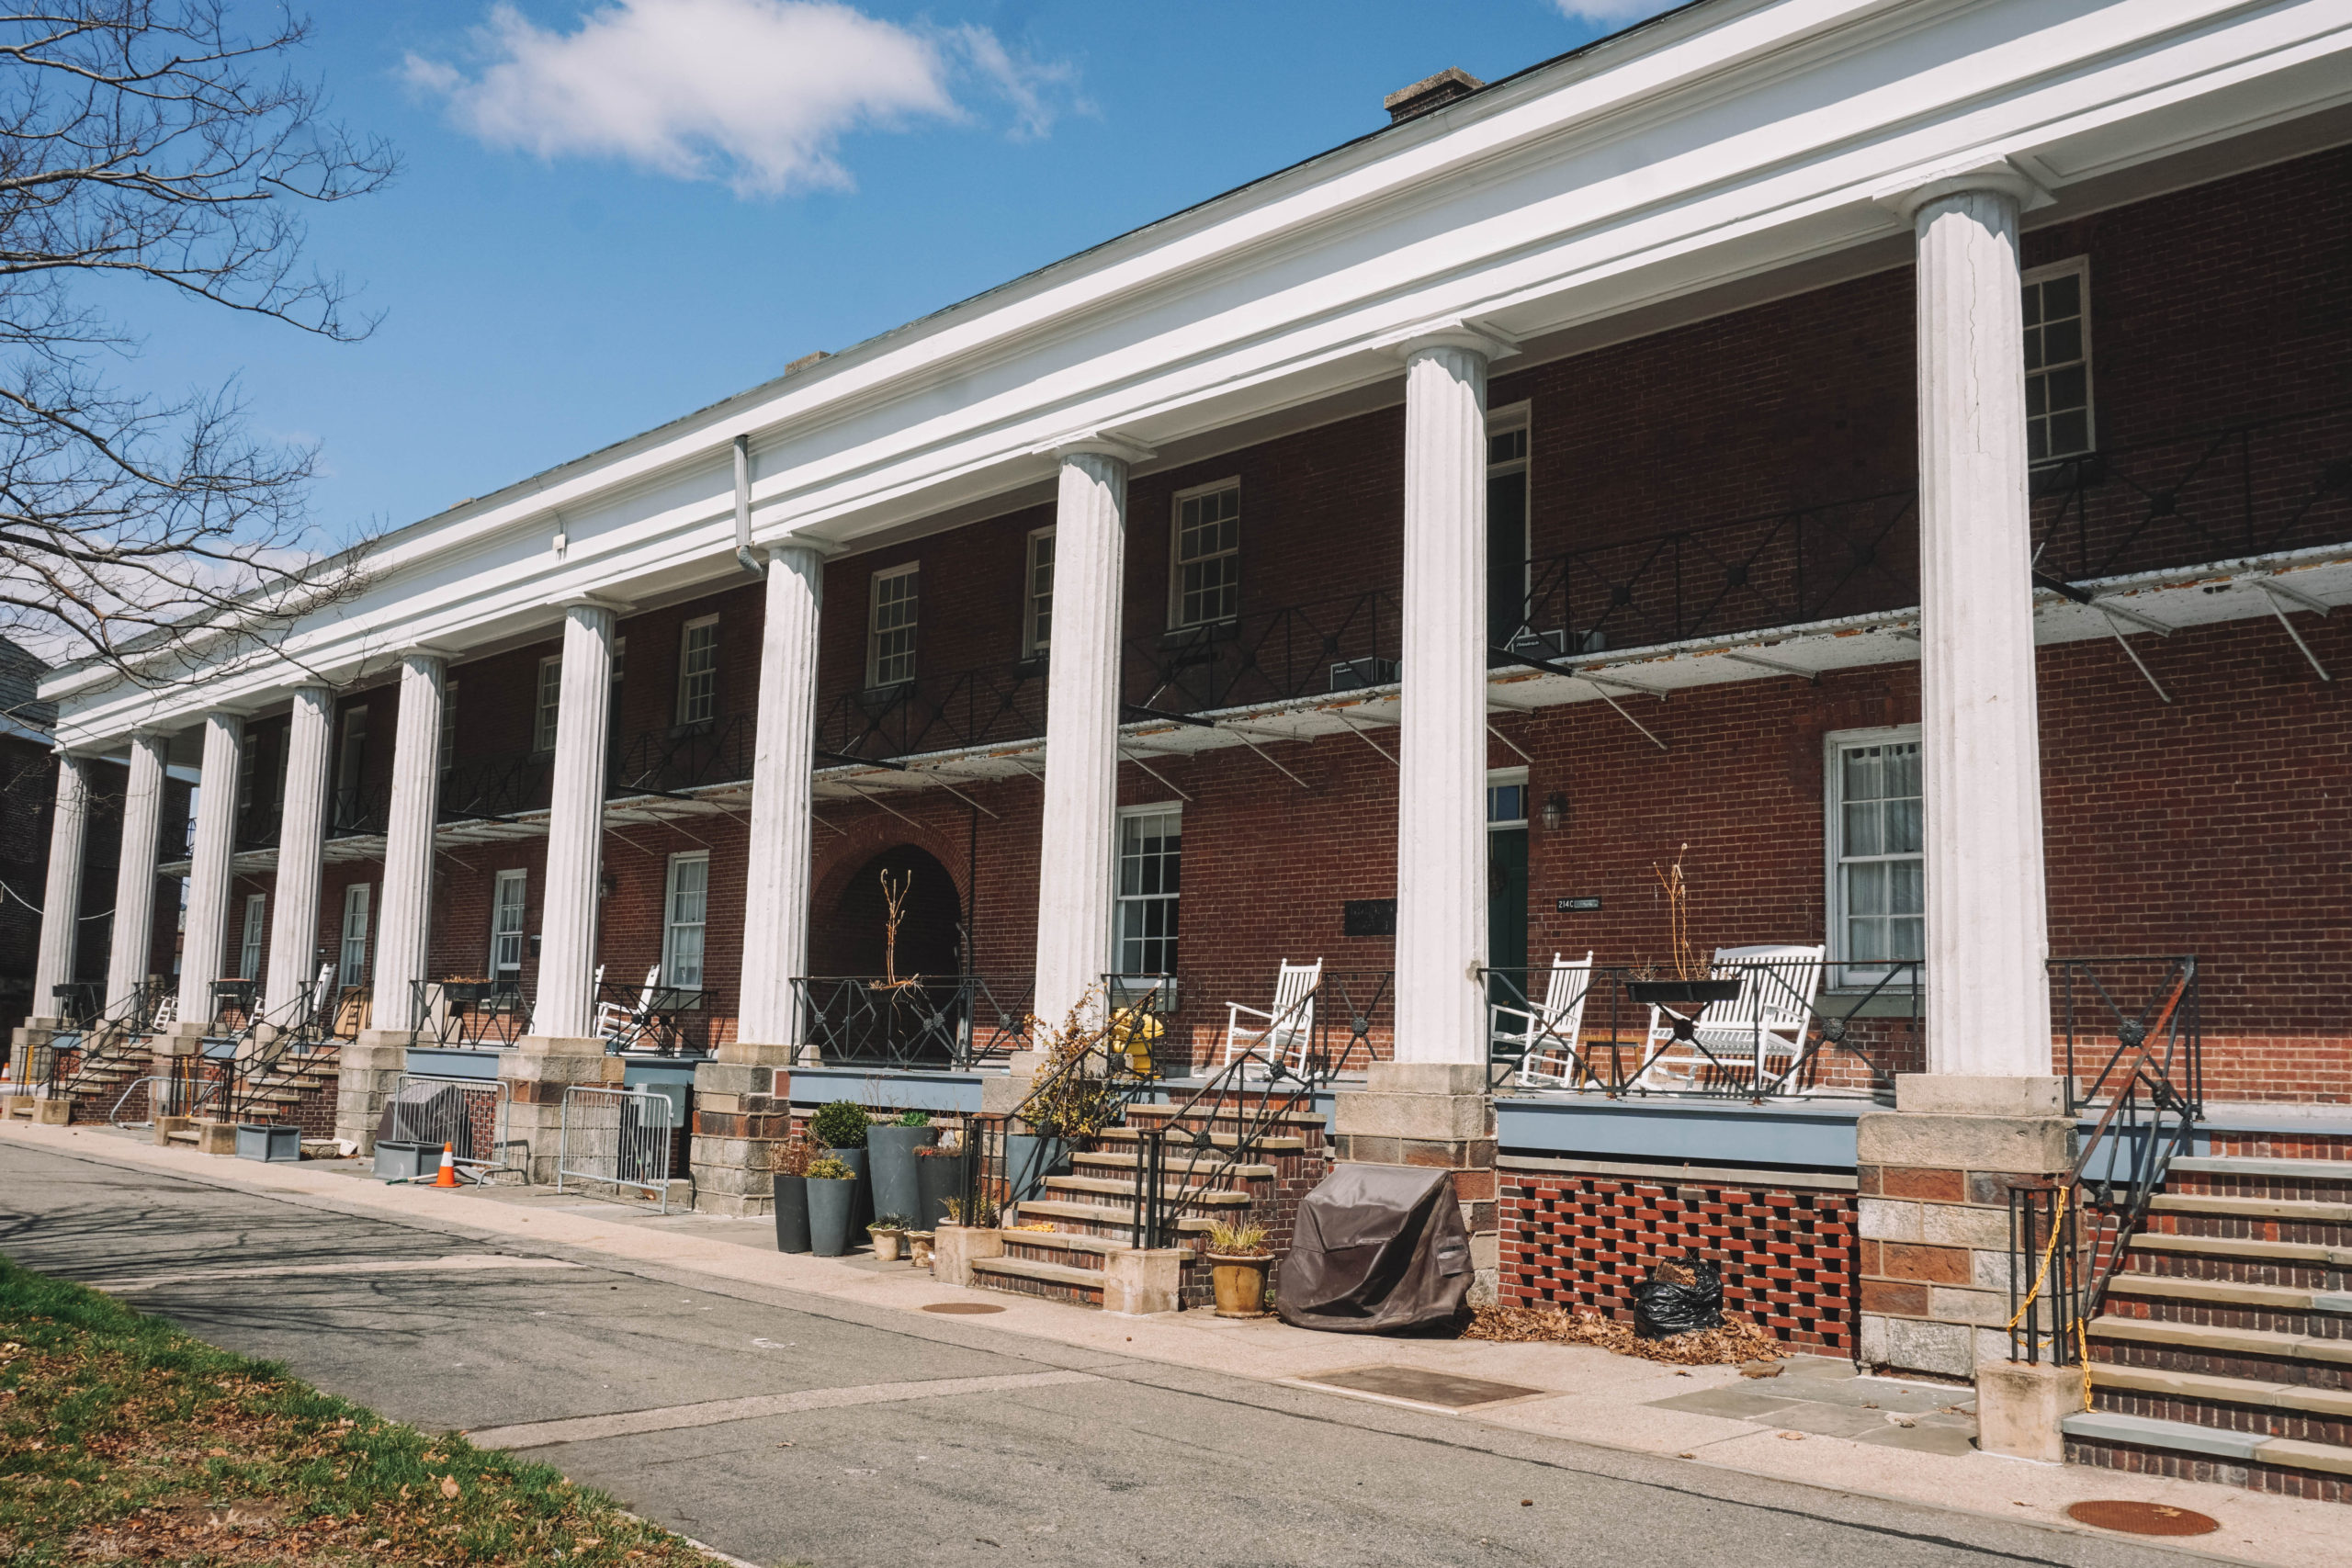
(1107, 1187)
(2334, 1403)
(182, 1135)
(1175, 1165)
(2269, 1169)
(988, 1273)
(2206, 1442)
(2231, 1292)
(2194, 1337)
(1094, 1213)
(2294, 1210)
(1082, 1252)
(1270, 1143)
(1168, 1113)
(2246, 1249)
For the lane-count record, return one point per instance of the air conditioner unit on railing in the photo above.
(1355, 674)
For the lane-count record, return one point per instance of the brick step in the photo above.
(1178, 1164)
(2287, 1211)
(1119, 1220)
(1271, 1144)
(2231, 1292)
(1083, 1286)
(1086, 1252)
(1107, 1187)
(2334, 1404)
(2247, 1250)
(2264, 1167)
(1167, 1116)
(2096, 1429)
(2205, 1339)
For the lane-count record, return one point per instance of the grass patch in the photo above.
(123, 1439)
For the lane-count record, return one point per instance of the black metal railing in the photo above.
(949, 1021)
(257, 827)
(235, 1001)
(79, 1003)
(358, 812)
(1297, 650)
(495, 787)
(1746, 1029)
(1078, 1096)
(470, 1014)
(2069, 1233)
(1200, 1149)
(993, 703)
(657, 1019)
(682, 757)
(1334, 1027)
(272, 1047)
(114, 1035)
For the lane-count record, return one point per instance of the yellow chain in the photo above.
(2057, 1331)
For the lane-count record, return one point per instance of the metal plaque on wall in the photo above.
(1576, 905)
(1368, 916)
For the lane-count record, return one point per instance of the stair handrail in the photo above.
(108, 1039)
(253, 1055)
(1253, 1116)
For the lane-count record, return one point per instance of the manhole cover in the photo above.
(1423, 1387)
(2143, 1518)
(961, 1309)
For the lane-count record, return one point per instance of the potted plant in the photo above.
(1072, 1101)
(790, 1162)
(886, 1230)
(942, 1174)
(832, 1189)
(1238, 1259)
(843, 1127)
(1693, 986)
(919, 1247)
(890, 1157)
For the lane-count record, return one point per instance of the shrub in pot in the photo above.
(790, 1162)
(841, 1127)
(1238, 1259)
(833, 1190)
(890, 1157)
(887, 1231)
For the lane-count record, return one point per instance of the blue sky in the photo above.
(614, 212)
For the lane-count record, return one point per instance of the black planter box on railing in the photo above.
(1692, 993)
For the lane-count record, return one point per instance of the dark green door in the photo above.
(1506, 912)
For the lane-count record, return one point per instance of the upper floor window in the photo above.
(2058, 361)
(449, 726)
(891, 625)
(509, 895)
(550, 704)
(698, 671)
(1038, 621)
(250, 937)
(1877, 870)
(351, 767)
(1508, 545)
(685, 916)
(1205, 578)
(357, 901)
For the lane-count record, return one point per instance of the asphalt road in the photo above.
(1068, 1457)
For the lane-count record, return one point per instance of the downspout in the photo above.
(752, 563)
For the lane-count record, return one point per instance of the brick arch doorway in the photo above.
(931, 936)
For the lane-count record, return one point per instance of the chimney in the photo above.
(1428, 93)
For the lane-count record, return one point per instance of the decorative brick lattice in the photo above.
(1584, 1240)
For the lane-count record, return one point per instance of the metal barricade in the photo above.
(616, 1138)
(469, 1115)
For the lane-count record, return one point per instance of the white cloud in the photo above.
(757, 93)
(1614, 13)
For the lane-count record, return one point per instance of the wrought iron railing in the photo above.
(495, 787)
(355, 813)
(2070, 1234)
(470, 1014)
(78, 1003)
(949, 1020)
(1081, 1094)
(257, 827)
(681, 757)
(1201, 1148)
(657, 1020)
(111, 1036)
(1747, 1029)
(1297, 650)
(935, 713)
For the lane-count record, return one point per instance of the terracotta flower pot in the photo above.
(1240, 1283)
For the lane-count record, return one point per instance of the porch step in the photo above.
(1168, 1113)
(2193, 1338)
(1084, 1286)
(2245, 1248)
(2230, 1293)
(1271, 1145)
(2277, 1169)
(2330, 1401)
(1107, 1186)
(2204, 1443)
(1097, 1246)
(182, 1135)
(2296, 1210)
(1091, 1214)
(1174, 1164)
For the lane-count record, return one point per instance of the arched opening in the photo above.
(855, 940)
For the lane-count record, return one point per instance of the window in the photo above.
(550, 705)
(1877, 881)
(249, 943)
(1037, 623)
(1507, 545)
(1151, 843)
(449, 726)
(506, 925)
(890, 645)
(2057, 361)
(356, 902)
(248, 770)
(688, 906)
(351, 768)
(1205, 581)
(1507, 798)
(697, 672)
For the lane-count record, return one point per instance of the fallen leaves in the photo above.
(1737, 1340)
(449, 1486)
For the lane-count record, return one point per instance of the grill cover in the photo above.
(1377, 1248)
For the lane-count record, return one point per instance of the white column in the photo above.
(1988, 995)
(1076, 857)
(404, 906)
(775, 891)
(134, 882)
(565, 1006)
(208, 865)
(60, 905)
(301, 845)
(1442, 776)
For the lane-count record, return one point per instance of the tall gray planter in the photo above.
(938, 1178)
(1029, 1159)
(829, 1203)
(861, 1207)
(891, 1153)
(791, 1213)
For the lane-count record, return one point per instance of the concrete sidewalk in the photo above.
(1817, 1423)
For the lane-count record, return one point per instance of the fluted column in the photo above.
(565, 1005)
(1078, 857)
(404, 906)
(776, 893)
(1987, 933)
(134, 883)
(301, 848)
(1442, 781)
(208, 865)
(60, 905)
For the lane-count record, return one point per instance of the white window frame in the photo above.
(252, 935)
(1851, 976)
(2081, 267)
(1506, 778)
(547, 707)
(1177, 621)
(1120, 901)
(674, 927)
(448, 743)
(351, 752)
(898, 666)
(1037, 591)
(520, 934)
(697, 688)
(351, 952)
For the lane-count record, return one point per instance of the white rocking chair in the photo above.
(1767, 1021)
(1289, 1029)
(620, 1026)
(1544, 1038)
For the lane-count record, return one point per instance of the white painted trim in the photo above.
(1833, 834)
(872, 633)
(1176, 622)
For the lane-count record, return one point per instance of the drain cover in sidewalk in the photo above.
(961, 1309)
(1444, 1389)
(2143, 1518)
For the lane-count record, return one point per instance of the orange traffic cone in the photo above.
(448, 1176)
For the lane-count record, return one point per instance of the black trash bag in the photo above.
(1678, 1298)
